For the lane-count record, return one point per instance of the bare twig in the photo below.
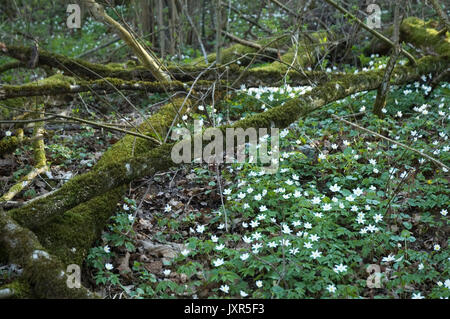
(441, 13)
(392, 141)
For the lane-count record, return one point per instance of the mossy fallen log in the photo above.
(11, 66)
(106, 85)
(41, 270)
(91, 71)
(99, 180)
(419, 33)
(70, 236)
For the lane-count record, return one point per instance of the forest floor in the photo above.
(346, 216)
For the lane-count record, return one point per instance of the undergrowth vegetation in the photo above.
(347, 215)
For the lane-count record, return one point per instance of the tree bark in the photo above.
(161, 29)
(380, 101)
(441, 13)
(147, 60)
(218, 22)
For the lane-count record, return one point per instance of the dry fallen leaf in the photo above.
(124, 267)
(154, 267)
(169, 250)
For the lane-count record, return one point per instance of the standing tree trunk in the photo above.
(194, 29)
(218, 9)
(173, 21)
(161, 31)
(383, 89)
(144, 16)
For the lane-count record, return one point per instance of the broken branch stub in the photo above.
(147, 60)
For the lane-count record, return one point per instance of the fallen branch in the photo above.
(112, 170)
(40, 165)
(439, 163)
(11, 65)
(6, 293)
(254, 45)
(282, 6)
(107, 44)
(194, 28)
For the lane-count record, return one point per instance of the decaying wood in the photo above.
(255, 23)
(42, 270)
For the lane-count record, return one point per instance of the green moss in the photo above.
(156, 126)
(84, 187)
(42, 271)
(115, 65)
(20, 288)
(71, 235)
(419, 33)
(14, 103)
(283, 115)
(9, 145)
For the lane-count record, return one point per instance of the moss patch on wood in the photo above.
(71, 235)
